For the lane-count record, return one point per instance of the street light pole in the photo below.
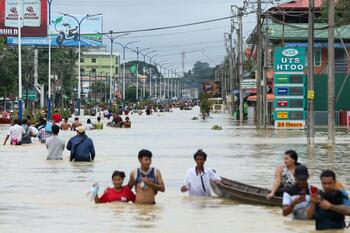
(19, 24)
(138, 51)
(150, 74)
(79, 52)
(49, 66)
(124, 61)
(144, 71)
(111, 37)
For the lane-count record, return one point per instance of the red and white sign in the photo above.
(282, 103)
(33, 18)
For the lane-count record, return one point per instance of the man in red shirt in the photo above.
(56, 117)
(118, 192)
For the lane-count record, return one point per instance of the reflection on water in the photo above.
(38, 195)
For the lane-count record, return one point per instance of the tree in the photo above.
(204, 105)
(342, 12)
(130, 94)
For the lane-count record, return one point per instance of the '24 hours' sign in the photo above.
(289, 59)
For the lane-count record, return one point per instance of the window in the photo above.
(82, 70)
(93, 70)
(116, 70)
(93, 60)
(318, 57)
(81, 60)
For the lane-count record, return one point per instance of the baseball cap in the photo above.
(301, 172)
(80, 129)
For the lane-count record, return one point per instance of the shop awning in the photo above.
(270, 98)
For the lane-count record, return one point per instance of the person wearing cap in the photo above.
(327, 218)
(296, 199)
(81, 147)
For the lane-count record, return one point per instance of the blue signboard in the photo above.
(64, 31)
(282, 91)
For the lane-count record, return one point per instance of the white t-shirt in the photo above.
(198, 184)
(89, 127)
(16, 132)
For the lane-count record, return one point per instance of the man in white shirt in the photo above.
(55, 145)
(197, 181)
(15, 133)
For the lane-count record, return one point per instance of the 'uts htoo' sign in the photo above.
(289, 59)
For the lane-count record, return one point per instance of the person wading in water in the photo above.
(146, 179)
(284, 175)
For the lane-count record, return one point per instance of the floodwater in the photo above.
(50, 196)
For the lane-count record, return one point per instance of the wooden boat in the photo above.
(244, 193)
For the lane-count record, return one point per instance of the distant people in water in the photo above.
(56, 117)
(81, 147)
(117, 193)
(197, 181)
(99, 124)
(29, 132)
(89, 125)
(117, 121)
(15, 133)
(65, 125)
(76, 123)
(146, 179)
(127, 122)
(55, 145)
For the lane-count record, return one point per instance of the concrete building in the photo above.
(96, 66)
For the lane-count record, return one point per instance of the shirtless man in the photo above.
(146, 179)
(65, 125)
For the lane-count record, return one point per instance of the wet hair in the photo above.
(24, 121)
(66, 118)
(98, 118)
(293, 154)
(118, 173)
(55, 129)
(200, 153)
(127, 118)
(328, 173)
(145, 153)
(76, 119)
(88, 121)
(15, 121)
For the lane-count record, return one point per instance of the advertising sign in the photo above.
(64, 31)
(289, 59)
(212, 88)
(32, 15)
(289, 89)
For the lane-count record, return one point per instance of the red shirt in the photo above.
(56, 118)
(125, 195)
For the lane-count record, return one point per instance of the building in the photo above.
(95, 66)
(287, 27)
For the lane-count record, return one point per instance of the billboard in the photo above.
(33, 18)
(64, 31)
(212, 88)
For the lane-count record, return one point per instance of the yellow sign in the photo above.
(310, 95)
(282, 115)
(290, 124)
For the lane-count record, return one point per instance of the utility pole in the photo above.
(265, 116)
(259, 67)
(240, 63)
(310, 62)
(331, 71)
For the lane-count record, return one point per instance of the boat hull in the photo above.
(244, 193)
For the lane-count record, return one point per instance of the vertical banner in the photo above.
(289, 88)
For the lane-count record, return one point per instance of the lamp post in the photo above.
(79, 22)
(110, 35)
(124, 46)
(49, 66)
(19, 25)
(150, 74)
(160, 78)
(144, 72)
(138, 51)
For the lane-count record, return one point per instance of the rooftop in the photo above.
(296, 5)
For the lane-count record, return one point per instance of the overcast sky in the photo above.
(122, 15)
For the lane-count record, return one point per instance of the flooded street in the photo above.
(50, 196)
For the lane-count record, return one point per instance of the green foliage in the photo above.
(201, 72)
(204, 105)
(64, 112)
(342, 12)
(216, 127)
(8, 70)
(130, 94)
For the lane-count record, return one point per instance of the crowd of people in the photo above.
(327, 206)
